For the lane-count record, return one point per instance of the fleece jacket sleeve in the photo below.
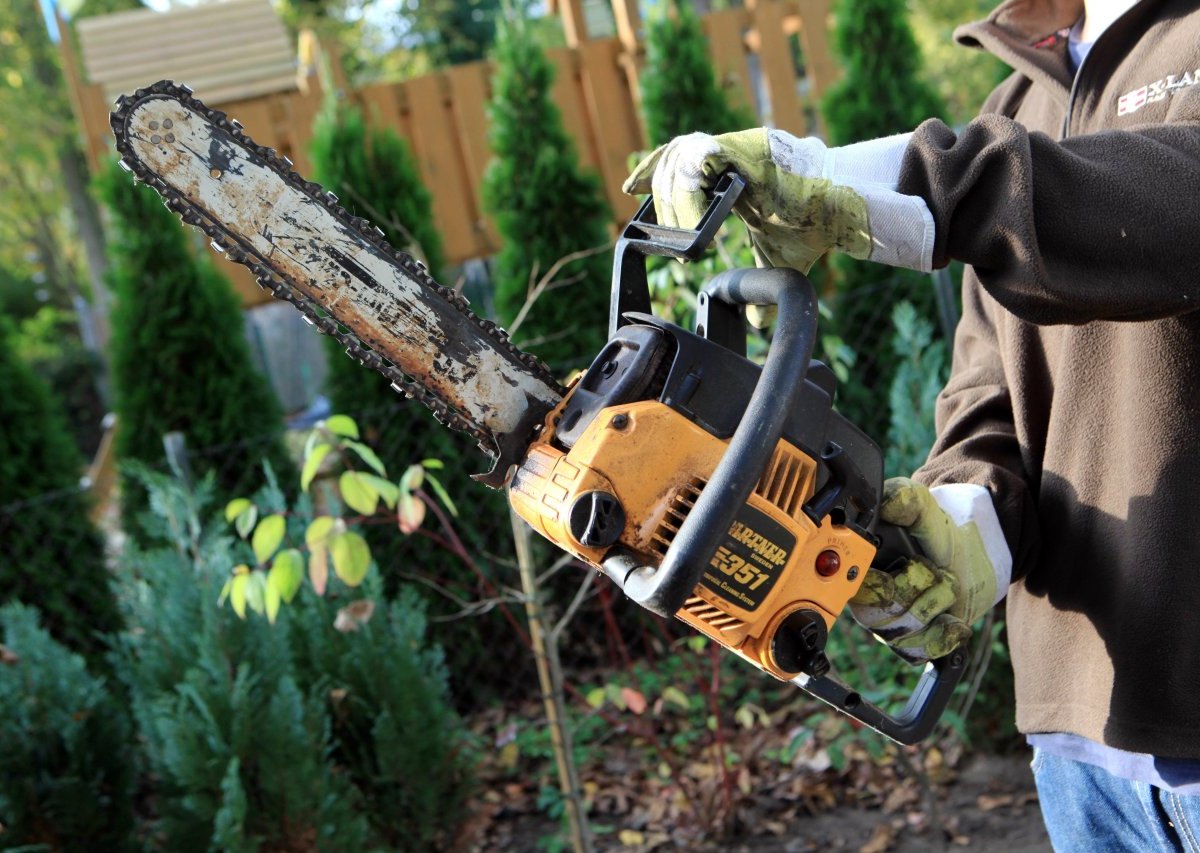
(1094, 227)
(977, 439)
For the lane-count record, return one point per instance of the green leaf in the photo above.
(224, 593)
(317, 534)
(342, 425)
(246, 521)
(267, 537)
(236, 507)
(442, 494)
(595, 697)
(433, 464)
(312, 463)
(286, 574)
(351, 557)
(388, 490)
(237, 592)
(256, 588)
(369, 456)
(357, 493)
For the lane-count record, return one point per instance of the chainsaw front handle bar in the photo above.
(665, 588)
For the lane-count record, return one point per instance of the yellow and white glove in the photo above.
(801, 200)
(926, 609)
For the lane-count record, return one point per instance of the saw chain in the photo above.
(437, 399)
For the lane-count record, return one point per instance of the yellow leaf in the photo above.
(286, 574)
(342, 425)
(268, 536)
(509, 753)
(318, 531)
(358, 494)
(675, 696)
(271, 599)
(312, 464)
(236, 507)
(595, 697)
(351, 557)
(13, 78)
(237, 594)
(631, 838)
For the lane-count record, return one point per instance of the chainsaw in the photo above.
(728, 495)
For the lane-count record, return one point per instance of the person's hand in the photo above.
(926, 609)
(801, 198)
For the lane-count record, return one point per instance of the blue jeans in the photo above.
(1089, 810)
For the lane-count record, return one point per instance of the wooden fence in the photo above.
(443, 114)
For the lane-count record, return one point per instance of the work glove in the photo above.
(926, 609)
(801, 199)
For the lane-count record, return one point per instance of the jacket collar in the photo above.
(1030, 36)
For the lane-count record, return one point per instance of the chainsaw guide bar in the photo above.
(307, 250)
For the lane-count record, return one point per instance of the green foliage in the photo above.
(329, 730)
(53, 556)
(921, 370)
(546, 208)
(881, 92)
(680, 92)
(179, 359)
(962, 78)
(65, 745)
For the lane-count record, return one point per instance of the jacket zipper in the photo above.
(1066, 125)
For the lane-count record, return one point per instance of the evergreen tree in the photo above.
(53, 556)
(180, 361)
(680, 92)
(880, 93)
(546, 208)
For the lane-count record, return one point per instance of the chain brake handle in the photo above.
(644, 237)
(933, 691)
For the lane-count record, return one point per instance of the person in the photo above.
(1067, 458)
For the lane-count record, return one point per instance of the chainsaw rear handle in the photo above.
(665, 588)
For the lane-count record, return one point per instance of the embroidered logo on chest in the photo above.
(1157, 91)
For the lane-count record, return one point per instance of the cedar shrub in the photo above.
(180, 361)
(546, 207)
(53, 555)
(680, 92)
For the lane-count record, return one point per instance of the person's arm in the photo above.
(1094, 227)
(976, 525)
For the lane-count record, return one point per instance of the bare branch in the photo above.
(581, 595)
(537, 289)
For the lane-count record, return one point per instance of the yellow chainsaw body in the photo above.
(774, 561)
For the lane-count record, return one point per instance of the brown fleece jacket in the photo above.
(1075, 389)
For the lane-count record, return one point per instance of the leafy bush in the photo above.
(921, 371)
(65, 746)
(180, 361)
(53, 556)
(289, 736)
(546, 209)
(680, 92)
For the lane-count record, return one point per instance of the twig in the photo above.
(580, 596)
(979, 666)
(538, 287)
(550, 675)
